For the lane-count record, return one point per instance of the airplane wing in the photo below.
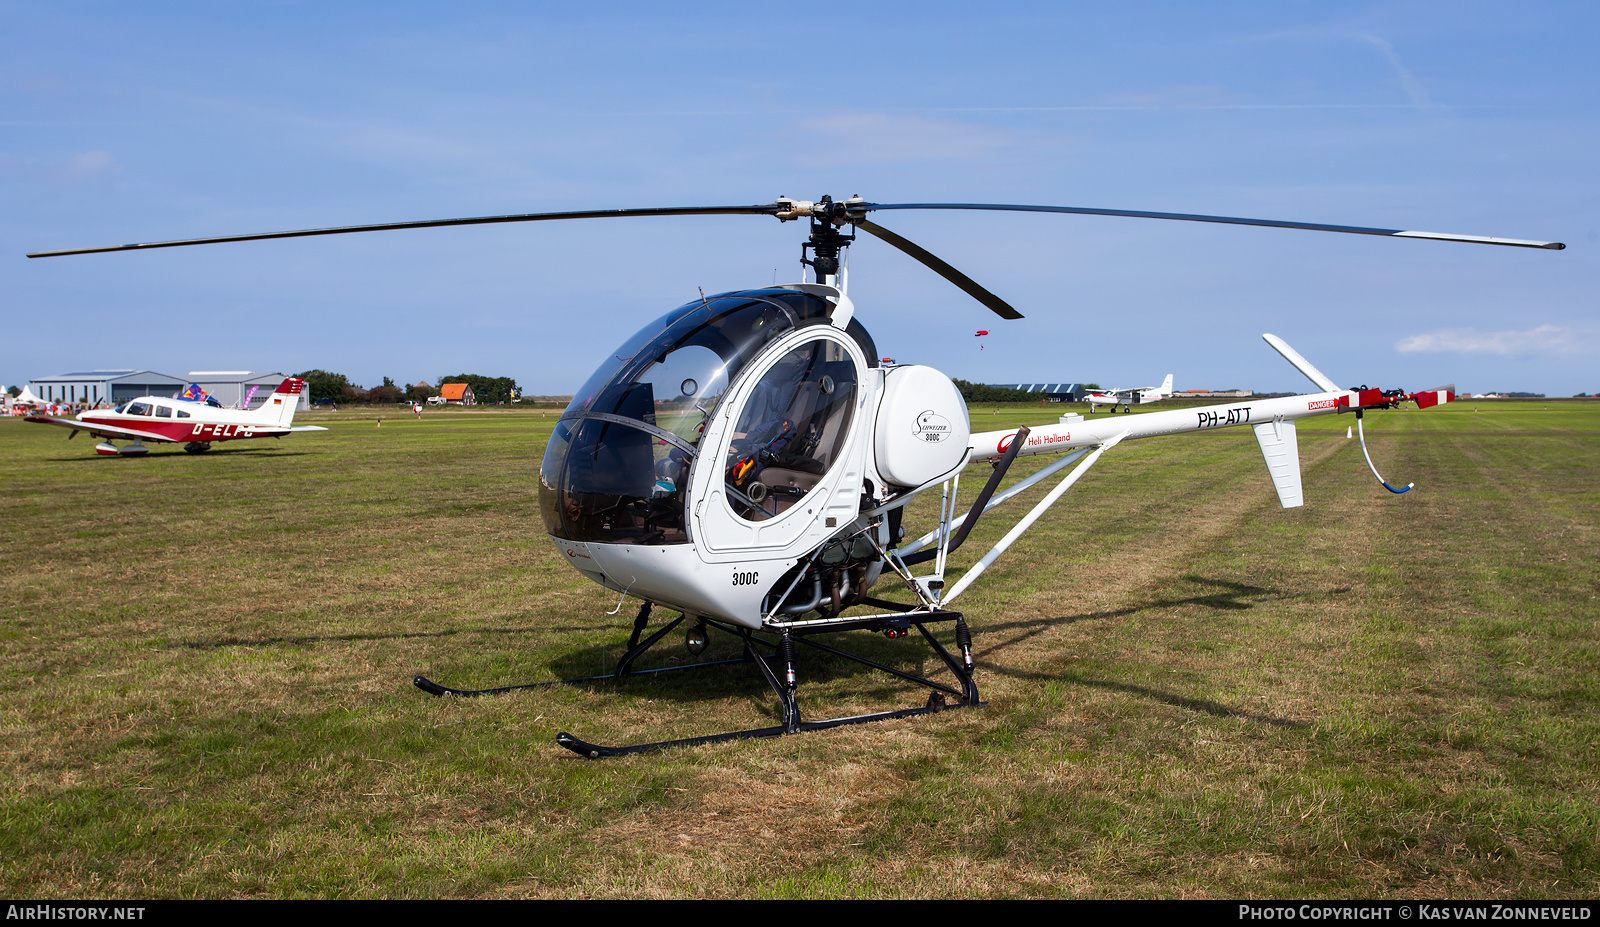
(99, 431)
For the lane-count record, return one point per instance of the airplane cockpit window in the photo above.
(163, 411)
(617, 465)
(137, 408)
(791, 430)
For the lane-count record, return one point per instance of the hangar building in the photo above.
(1055, 392)
(113, 387)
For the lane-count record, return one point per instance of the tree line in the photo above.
(982, 392)
(326, 385)
(487, 389)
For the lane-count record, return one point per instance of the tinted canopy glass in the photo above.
(616, 469)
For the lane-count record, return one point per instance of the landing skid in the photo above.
(777, 666)
(583, 748)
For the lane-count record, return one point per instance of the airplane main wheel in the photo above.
(197, 447)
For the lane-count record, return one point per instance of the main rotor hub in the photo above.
(820, 251)
(825, 210)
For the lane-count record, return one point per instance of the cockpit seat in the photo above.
(785, 478)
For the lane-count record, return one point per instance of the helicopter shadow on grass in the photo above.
(706, 682)
(1230, 596)
(304, 639)
(911, 654)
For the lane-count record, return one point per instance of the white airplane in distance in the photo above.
(196, 423)
(1127, 398)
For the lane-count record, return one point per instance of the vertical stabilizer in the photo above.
(1166, 387)
(1282, 452)
(280, 406)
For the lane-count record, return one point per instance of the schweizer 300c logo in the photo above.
(931, 427)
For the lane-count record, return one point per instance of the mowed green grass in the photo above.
(207, 665)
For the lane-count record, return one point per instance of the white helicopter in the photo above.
(746, 460)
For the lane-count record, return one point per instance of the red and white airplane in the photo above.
(1127, 398)
(196, 424)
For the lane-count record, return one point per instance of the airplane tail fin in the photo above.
(280, 407)
(1166, 387)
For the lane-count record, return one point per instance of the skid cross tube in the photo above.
(779, 670)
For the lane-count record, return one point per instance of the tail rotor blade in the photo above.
(1429, 398)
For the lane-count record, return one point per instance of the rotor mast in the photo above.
(823, 250)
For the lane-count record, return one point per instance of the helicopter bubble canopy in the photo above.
(617, 465)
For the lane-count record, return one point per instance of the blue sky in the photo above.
(138, 122)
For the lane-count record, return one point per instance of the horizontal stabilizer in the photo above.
(1282, 452)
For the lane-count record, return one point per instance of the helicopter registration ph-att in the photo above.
(1128, 398)
(746, 461)
(196, 425)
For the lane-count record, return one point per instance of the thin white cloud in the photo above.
(882, 137)
(89, 167)
(1545, 339)
(1408, 81)
(386, 142)
(1415, 89)
(1177, 96)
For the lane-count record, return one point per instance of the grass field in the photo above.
(207, 668)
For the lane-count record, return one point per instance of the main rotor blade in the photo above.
(768, 210)
(928, 258)
(1322, 380)
(1225, 220)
